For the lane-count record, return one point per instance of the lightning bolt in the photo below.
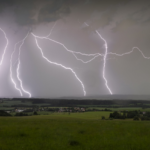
(51, 30)
(60, 65)
(73, 52)
(11, 76)
(95, 55)
(1, 61)
(79, 53)
(18, 68)
(105, 59)
(85, 62)
(127, 53)
(57, 64)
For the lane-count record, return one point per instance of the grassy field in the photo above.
(78, 131)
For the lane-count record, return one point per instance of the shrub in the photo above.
(35, 113)
(115, 115)
(3, 113)
(132, 114)
(145, 118)
(136, 118)
(21, 114)
(103, 118)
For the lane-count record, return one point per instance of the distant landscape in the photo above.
(46, 106)
(7, 103)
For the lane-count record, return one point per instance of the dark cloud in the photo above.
(53, 11)
(31, 12)
(115, 13)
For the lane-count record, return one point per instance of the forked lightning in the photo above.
(94, 56)
(4, 51)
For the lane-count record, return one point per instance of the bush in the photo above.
(35, 113)
(3, 113)
(111, 115)
(21, 114)
(145, 118)
(103, 118)
(115, 115)
(132, 114)
(136, 118)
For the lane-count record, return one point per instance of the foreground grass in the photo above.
(73, 132)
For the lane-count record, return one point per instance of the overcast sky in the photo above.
(123, 24)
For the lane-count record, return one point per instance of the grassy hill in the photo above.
(78, 131)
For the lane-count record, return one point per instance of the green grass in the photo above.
(86, 115)
(77, 131)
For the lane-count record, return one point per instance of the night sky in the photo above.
(123, 24)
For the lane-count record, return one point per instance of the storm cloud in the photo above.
(123, 24)
(31, 12)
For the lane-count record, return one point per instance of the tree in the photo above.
(132, 114)
(111, 115)
(115, 115)
(35, 113)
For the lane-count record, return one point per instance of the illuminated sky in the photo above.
(123, 24)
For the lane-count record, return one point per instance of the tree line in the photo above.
(135, 115)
